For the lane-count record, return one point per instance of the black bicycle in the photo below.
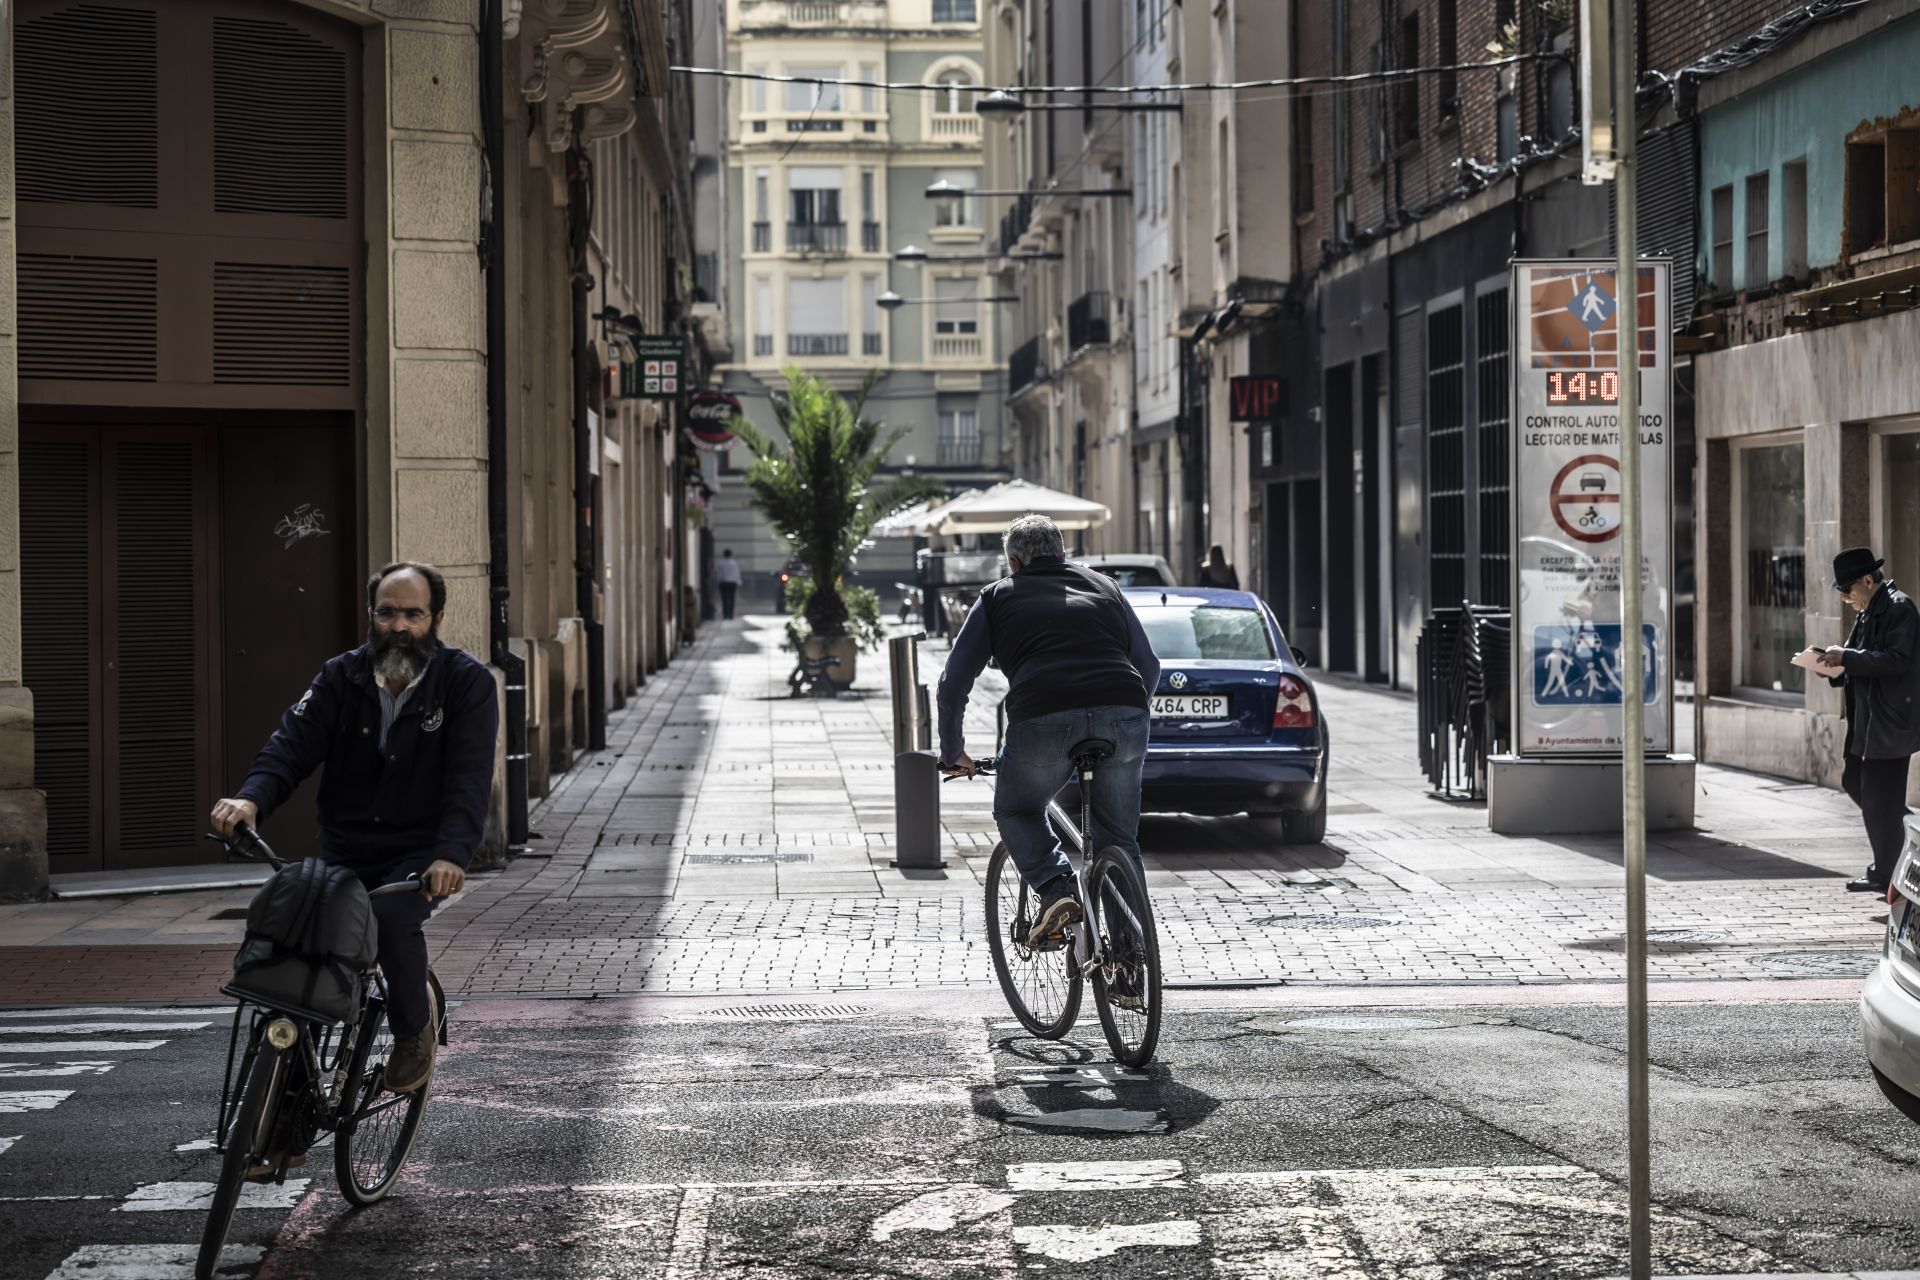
(1114, 943)
(303, 1075)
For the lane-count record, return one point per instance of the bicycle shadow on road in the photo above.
(1069, 1087)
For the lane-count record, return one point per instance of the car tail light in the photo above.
(785, 577)
(1294, 710)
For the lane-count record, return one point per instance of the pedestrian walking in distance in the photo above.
(1216, 572)
(1880, 675)
(727, 574)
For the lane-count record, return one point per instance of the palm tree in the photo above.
(817, 489)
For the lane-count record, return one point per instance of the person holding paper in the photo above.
(1879, 671)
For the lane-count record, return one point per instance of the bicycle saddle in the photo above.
(1091, 752)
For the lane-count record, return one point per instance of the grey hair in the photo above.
(1032, 538)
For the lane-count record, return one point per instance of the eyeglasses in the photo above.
(387, 613)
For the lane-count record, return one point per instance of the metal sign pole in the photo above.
(1633, 762)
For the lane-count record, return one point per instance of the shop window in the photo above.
(1720, 269)
(1773, 535)
(1900, 512)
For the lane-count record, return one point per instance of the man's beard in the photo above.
(397, 656)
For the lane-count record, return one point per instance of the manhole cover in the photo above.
(1685, 935)
(231, 913)
(1365, 1022)
(784, 1011)
(1323, 922)
(741, 859)
(1852, 964)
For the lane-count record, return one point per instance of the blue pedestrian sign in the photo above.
(1577, 665)
(1592, 306)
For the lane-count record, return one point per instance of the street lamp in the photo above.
(891, 301)
(945, 190)
(914, 253)
(1002, 103)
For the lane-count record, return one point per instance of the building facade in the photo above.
(826, 183)
(272, 223)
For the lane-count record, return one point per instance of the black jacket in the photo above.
(1882, 659)
(426, 794)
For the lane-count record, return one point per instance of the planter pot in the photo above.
(845, 648)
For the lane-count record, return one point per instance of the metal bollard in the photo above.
(916, 770)
(903, 660)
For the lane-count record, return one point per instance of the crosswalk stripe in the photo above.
(116, 1011)
(7, 1142)
(1095, 1175)
(152, 1262)
(83, 1046)
(102, 1028)
(13, 1101)
(32, 1070)
(166, 1197)
(1085, 1244)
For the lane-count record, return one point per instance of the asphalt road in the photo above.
(926, 1136)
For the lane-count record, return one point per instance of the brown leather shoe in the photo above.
(410, 1064)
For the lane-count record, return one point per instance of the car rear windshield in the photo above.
(1192, 632)
(1131, 575)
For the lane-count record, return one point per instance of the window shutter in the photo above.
(88, 318)
(280, 120)
(86, 110)
(58, 633)
(282, 325)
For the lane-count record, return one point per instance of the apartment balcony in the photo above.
(957, 346)
(1013, 226)
(1088, 322)
(963, 126)
(763, 237)
(870, 344)
(1026, 366)
(870, 237)
(960, 451)
(816, 344)
(773, 14)
(816, 237)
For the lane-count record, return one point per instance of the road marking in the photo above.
(83, 1046)
(941, 1210)
(1440, 1173)
(1099, 1119)
(165, 1197)
(1096, 1175)
(98, 1028)
(7, 1142)
(687, 1257)
(1084, 1244)
(13, 1101)
(48, 1199)
(26, 1070)
(198, 1144)
(114, 1011)
(153, 1262)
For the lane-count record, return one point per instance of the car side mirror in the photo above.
(1299, 654)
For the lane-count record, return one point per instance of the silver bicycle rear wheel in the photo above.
(1126, 986)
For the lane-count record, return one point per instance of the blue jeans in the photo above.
(1034, 765)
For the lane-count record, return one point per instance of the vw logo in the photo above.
(1177, 680)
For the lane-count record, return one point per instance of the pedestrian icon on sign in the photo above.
(1592, 306)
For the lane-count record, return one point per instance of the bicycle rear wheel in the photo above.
(1126, 986)
(1042, 987)
(376, 1134)
(247, 1138)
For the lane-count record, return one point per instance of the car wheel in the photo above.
(1908, 1105)
(1309, 827)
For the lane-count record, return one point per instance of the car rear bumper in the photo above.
(1890, 1023)
(1216, 780)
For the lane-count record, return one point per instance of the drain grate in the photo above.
(1365, 1022)
(794, 1011)
(231, 913)
(1322, 922)
(1852, 964)
(746, 859)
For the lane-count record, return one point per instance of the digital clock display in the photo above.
(1569, 386)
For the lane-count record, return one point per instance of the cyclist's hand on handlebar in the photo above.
(442, 878)
(961, 768)
(228, 815)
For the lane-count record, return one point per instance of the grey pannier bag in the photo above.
(310, 935)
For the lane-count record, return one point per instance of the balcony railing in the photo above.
(870, 237)
(816, 344)
(870, 344)
(815, 124)
(1026, 366)
(955, 126)
(956, 11)
(762, 237)
(1014, 224)
(1087, 321)
(816, 237)
(960, 451)
(956, 346)
(763, 344)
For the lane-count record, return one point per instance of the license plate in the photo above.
(1190, 707)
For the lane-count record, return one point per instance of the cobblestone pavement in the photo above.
(734, 840)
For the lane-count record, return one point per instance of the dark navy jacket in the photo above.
(426, 794)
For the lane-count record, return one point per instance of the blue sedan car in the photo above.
(1236, 723)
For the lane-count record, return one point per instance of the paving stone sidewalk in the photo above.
(732, 839)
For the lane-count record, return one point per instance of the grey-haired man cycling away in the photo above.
(1079, 666)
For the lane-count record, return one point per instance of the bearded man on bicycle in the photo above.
(1079, 666)
(406, 727)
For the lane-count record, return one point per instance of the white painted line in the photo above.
(1096, 1175)
(1084, 1244)
(687, 1256)
(116, 1011)
(165, 1197)
(27, 1070)
(83, 1046)
(941, 1210)
(198, 1144)
(14, 1101)
(1444, 1173)
(48, 1199)
(99, 1028)
(153, 1262)
(7, 1142)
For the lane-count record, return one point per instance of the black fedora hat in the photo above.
(1852, 565)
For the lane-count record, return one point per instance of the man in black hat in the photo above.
(1880, 674)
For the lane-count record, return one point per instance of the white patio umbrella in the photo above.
(992, 510)
(908, 522)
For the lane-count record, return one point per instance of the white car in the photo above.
(1890, 1005)
(1132, 570)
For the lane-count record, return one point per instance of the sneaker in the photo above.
(1058, 909)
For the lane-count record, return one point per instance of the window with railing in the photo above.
(870, 344)
(816, 237)
(956, 319)
(870, 237)
(814, 220)
(817, 317)
(959, 431)
(952, 114)
(763, 237)
(816, 344)
(956, 11)
(1088, 321)
(961, 212)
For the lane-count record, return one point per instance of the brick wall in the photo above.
(1681, 33)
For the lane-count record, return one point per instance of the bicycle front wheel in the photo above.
(1042, 987)
(1126, 984)
(376, 1132)
(247, 1141)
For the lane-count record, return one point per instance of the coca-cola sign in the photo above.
(710, 416)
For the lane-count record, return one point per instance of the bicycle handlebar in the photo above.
(982, 766)
(247, 843)
(412, 884)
